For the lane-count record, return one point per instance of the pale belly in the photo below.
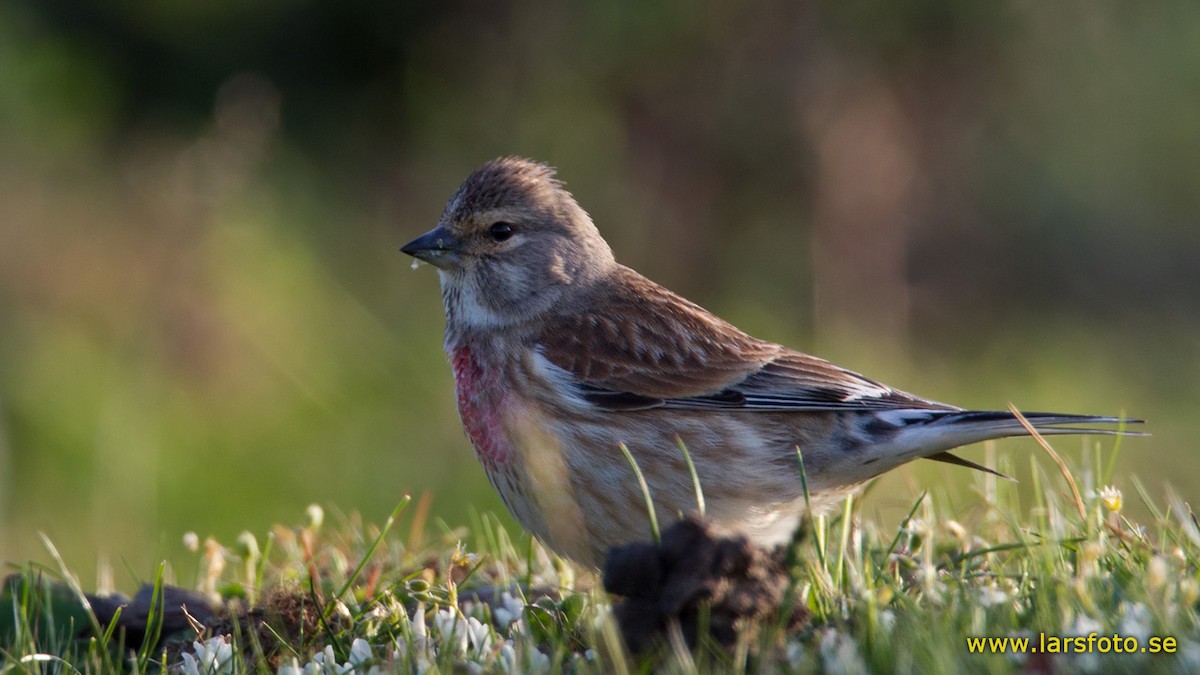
(567, 481)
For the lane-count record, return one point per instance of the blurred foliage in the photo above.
(204, 322)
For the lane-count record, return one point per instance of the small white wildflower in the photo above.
(452, 631)
(840, 654)
(290, 668)
(602, 617)
(211, 657)
(379, 612)
(325, 656)
(360, 652)
(191, 541)
(506, 661)
(990, 596)
(796, 656)
(418, 658)
(342, 610)
(887, 620)
(399, 647)
(540, 663)
(480, 634)
(1111, 498)
(419, 632)
(508, 610)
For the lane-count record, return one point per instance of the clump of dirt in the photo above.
(284, 620)
(694, 572)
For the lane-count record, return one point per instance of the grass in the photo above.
(1049, 562)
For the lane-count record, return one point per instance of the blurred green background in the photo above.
(205, 323)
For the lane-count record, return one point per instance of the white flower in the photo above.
(419, 632)
(325, 662)
(887, 620)
(506, 661)
(990, 596)
(464, 635)
(540, 663)
(508, 610)
(839, 654)
(481, 635)
(796, 656)
(360, 652)
(342, 610)
(211, 657)
(419, 659)
(1111, 498)
(452, 631)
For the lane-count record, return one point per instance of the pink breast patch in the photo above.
(481, 397)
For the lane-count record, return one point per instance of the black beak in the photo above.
(436, 247)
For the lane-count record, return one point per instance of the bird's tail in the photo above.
(952, 429)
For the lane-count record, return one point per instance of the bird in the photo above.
(574, 373)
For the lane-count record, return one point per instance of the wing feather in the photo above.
(642, 346)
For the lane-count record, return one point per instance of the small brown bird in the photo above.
(561, 356)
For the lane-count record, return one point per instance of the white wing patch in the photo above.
(558, 380)
(904, 416)
(860, 390)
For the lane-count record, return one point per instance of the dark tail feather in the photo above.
(956, 428)
(1046, 423)
(959, 461)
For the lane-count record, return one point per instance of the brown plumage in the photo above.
(561, 355)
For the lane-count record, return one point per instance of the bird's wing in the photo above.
(645, 347)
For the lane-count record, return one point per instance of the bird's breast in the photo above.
(482, 399)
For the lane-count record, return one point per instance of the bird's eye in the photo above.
(501, 231)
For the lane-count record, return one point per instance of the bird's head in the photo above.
(511, 244)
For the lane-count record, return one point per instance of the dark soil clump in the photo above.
(697, 577)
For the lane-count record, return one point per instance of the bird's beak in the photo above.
(437, 247)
